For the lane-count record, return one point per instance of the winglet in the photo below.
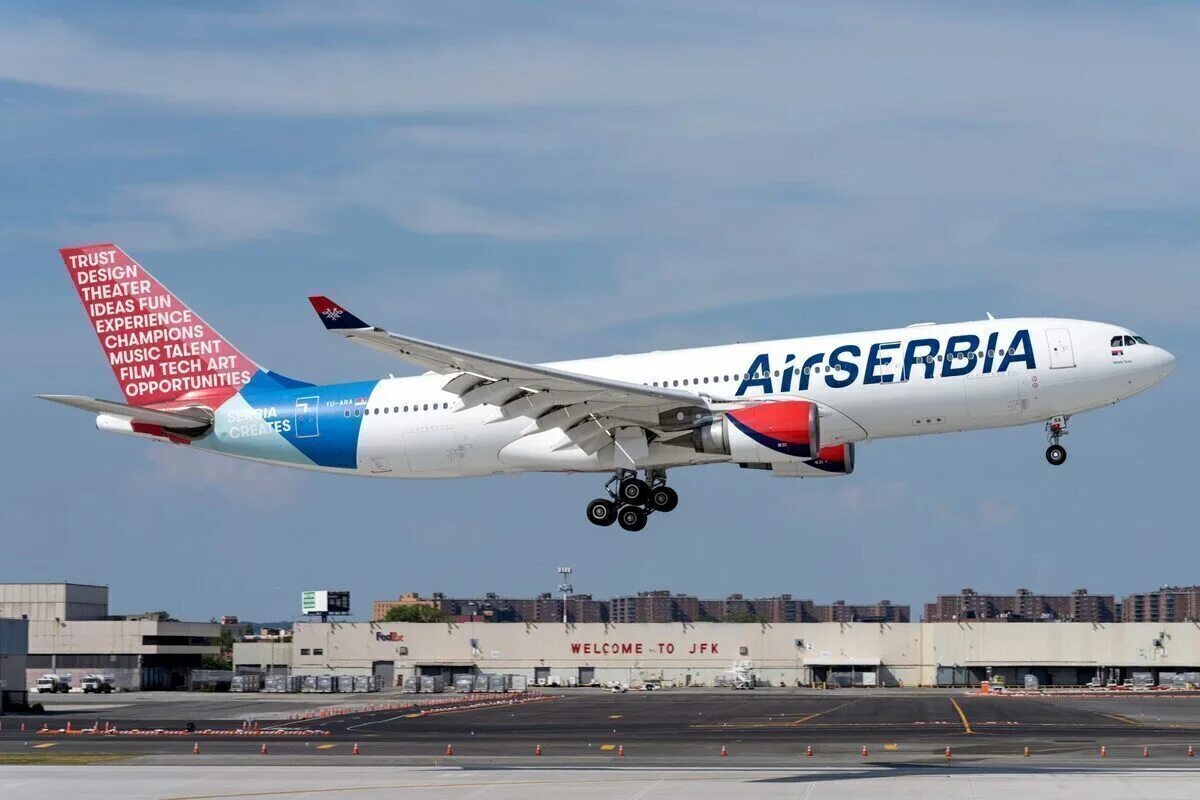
(334, 316)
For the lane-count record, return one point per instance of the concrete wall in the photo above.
(14, 638)
(111, 647)
(262, 655)
(781, 653)
(50, 601)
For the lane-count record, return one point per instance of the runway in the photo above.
(763, 727)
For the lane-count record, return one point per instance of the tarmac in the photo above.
(764, 728)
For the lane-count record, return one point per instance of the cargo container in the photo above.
(432, 683)
(246, 683)
(412, 685)
(309, 683)
(464, 683)
(497, 683)
(481, 683)
(326, 683)
(363, 683)
(518, 683)
(280, 683)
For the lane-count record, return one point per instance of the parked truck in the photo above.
(53, 683)
(97, 684)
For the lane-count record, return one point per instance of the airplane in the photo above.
(794, 407)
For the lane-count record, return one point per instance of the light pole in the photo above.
(564, 586)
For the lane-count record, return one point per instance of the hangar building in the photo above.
(886, 654)
(72, 633)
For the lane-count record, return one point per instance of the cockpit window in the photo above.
(1140, 340)
(1129, 341)
(1116, 342)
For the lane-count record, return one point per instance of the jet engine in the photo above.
(765, 433)
(830, 462)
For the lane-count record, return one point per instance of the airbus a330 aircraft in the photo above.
(794, 407)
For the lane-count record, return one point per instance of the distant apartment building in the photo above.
(1168, 604)
(659, 605)
(1022, 606)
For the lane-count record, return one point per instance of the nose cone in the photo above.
(1164, 364)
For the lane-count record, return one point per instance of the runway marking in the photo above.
(326, 746)
(44, 745)
(1120, 718)
(608, 747)
(891, 747)
(963, 717)
(708, 777)
(615, 716)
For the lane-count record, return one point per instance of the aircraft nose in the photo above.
(1168, 362)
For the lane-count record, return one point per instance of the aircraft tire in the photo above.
(602, 512)
(634, 491)
(1056, 454)
(664, 499)
(632, 518)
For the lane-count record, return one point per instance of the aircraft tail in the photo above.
(160, 351)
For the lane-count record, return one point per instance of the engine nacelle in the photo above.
(766, 433)
(830, 462)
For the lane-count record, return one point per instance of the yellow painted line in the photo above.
(962, 716)
(615, 716)
(807, 717)
(1121, 718)
(891, 747)
(326, 746)
(608, 747)
(44, 745)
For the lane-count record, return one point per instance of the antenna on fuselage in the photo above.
(989, 315)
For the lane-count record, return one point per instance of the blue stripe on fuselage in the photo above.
(324, 426)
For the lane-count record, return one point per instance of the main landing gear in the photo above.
(633, 499)
(1056, 428)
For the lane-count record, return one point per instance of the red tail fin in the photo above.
(159, 350)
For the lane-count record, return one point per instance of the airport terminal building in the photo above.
(70, 632)
(790, 654)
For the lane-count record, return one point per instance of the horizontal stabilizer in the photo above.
(183, 420)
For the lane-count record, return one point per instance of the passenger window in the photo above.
(706, 380)
(685, 383)
(426, 408)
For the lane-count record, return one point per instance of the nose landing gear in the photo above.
(632, 499)
(1056, 428)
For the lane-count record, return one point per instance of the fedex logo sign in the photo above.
(391, 636)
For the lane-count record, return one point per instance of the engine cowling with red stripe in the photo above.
(831, 461)
(765, 433)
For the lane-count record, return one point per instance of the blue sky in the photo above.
(548, 180)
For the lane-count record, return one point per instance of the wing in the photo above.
(188, 420)
(586, 407)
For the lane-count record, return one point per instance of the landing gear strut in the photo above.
(1056, 428)
(632, 499)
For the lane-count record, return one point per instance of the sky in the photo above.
(555, 180)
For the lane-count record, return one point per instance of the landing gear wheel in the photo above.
(602, 512)
(634, 491)
(632, 518)
(1056, 454)
(663, 498)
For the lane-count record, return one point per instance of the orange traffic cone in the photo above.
(537, 751)
(948, 755)
(195, 748)
(1145, 752)
(1027, 751)
(808, 752)
(1191, 752)
(724, 752)
(863, 752)
(264, 748)
(1103, 751)
(620, 749)
(449, 749)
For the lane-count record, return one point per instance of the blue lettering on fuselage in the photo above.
(960, 355)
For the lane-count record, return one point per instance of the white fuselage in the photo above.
(869, 385)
